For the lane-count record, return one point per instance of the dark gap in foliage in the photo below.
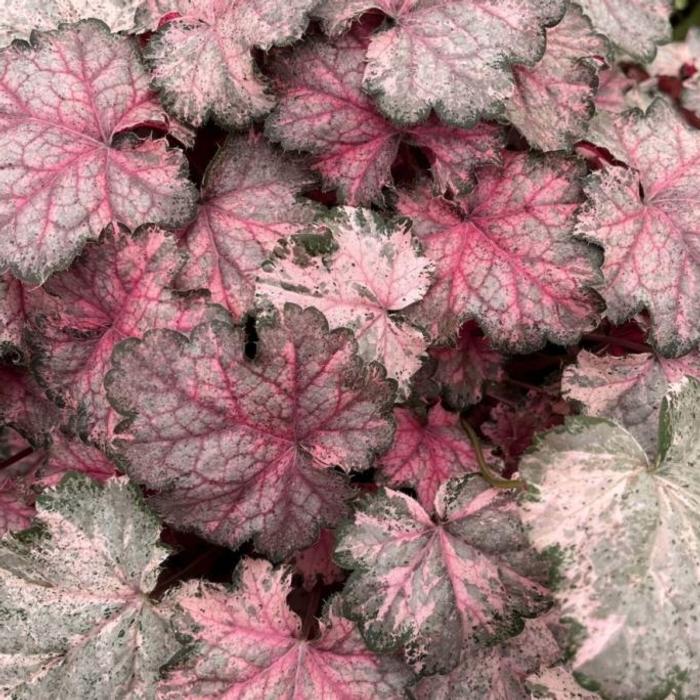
(207, 143)
(251, 337)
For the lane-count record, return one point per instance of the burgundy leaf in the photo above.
(12, 314)
(236, 448)
(316, 562)
(68, 171)
(505, 255)
(250, 645)
(427, 452)
(324, 110)
(249, 201)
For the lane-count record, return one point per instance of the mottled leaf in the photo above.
(316, 562)
(324, 110)
(12, 316)
(374, 272)
(67, 168)
(558, 683)
(625, 535)
(426, 453)
(433, 587)
(249, 201)
(505, 255)
(451, 56)
(202, 60)
(77, 622)
(644, 216)
(250, 645)
(236, 448)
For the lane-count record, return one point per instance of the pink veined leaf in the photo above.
(426, 453)
(373, 272)
(498, 672)
(451, 56)
(644, 216)
(554, 100)
(613, 86)
(249, 645)
(323, 109)
(505, 255)
(435, 587)
(236, 448)
(316, 562)
(634, 26)
(463, 369)
(68, 168)
(627, 389)
(249, 201)
(118, 288)
(202, 60)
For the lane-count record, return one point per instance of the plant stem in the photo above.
(16, 458)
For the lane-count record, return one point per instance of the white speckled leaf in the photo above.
(202, 59)
(374, 272)
(77, 622)
(627, 389)
(64, 173)
(625, 533)
(249, 645)
(645, 217)
(553, 100)
(634, 26)
(237, 448)
(433, 587)
(249, 201)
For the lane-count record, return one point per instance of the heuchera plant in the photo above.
(349, 349)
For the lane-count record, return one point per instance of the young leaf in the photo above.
(316, 562)
(374, 272)
(553, 101)
(66, 174)
(249, 644)
(635, 26)
(505, 255)
(202, 59)
(324, 110)
(117, 289)
(624, 532)
(434, 587)
(249, 201)
(426, 453)
(77, 621)
(236, 448)
(451, 56)
(627, 389)
(644, 217)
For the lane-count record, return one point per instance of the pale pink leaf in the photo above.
(236, 448)
(16, 505)
(426, 453)
(450, 56)
(249, 201)
(249, 645)
(557, 683)
(432, 587)
(67, 169)
(316, 562)
(202, 60)
(644, 216)
(673, 58)
(324, 110)
(505, 255)
(634, 26)
(372, 274)
(554, 100)
(117, 289)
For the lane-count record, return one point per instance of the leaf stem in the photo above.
(16, 458)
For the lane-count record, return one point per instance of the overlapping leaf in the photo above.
(316, 562)
(202, 59)
(505, 255)
(251, 645)
(645, 218)
(451, 56)
(249, 201)
(625, 532)
(12, 315)
(237, 448)
(436, 587)
(324, 110)
(374, 272)
(76, 618)
(67, 168)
